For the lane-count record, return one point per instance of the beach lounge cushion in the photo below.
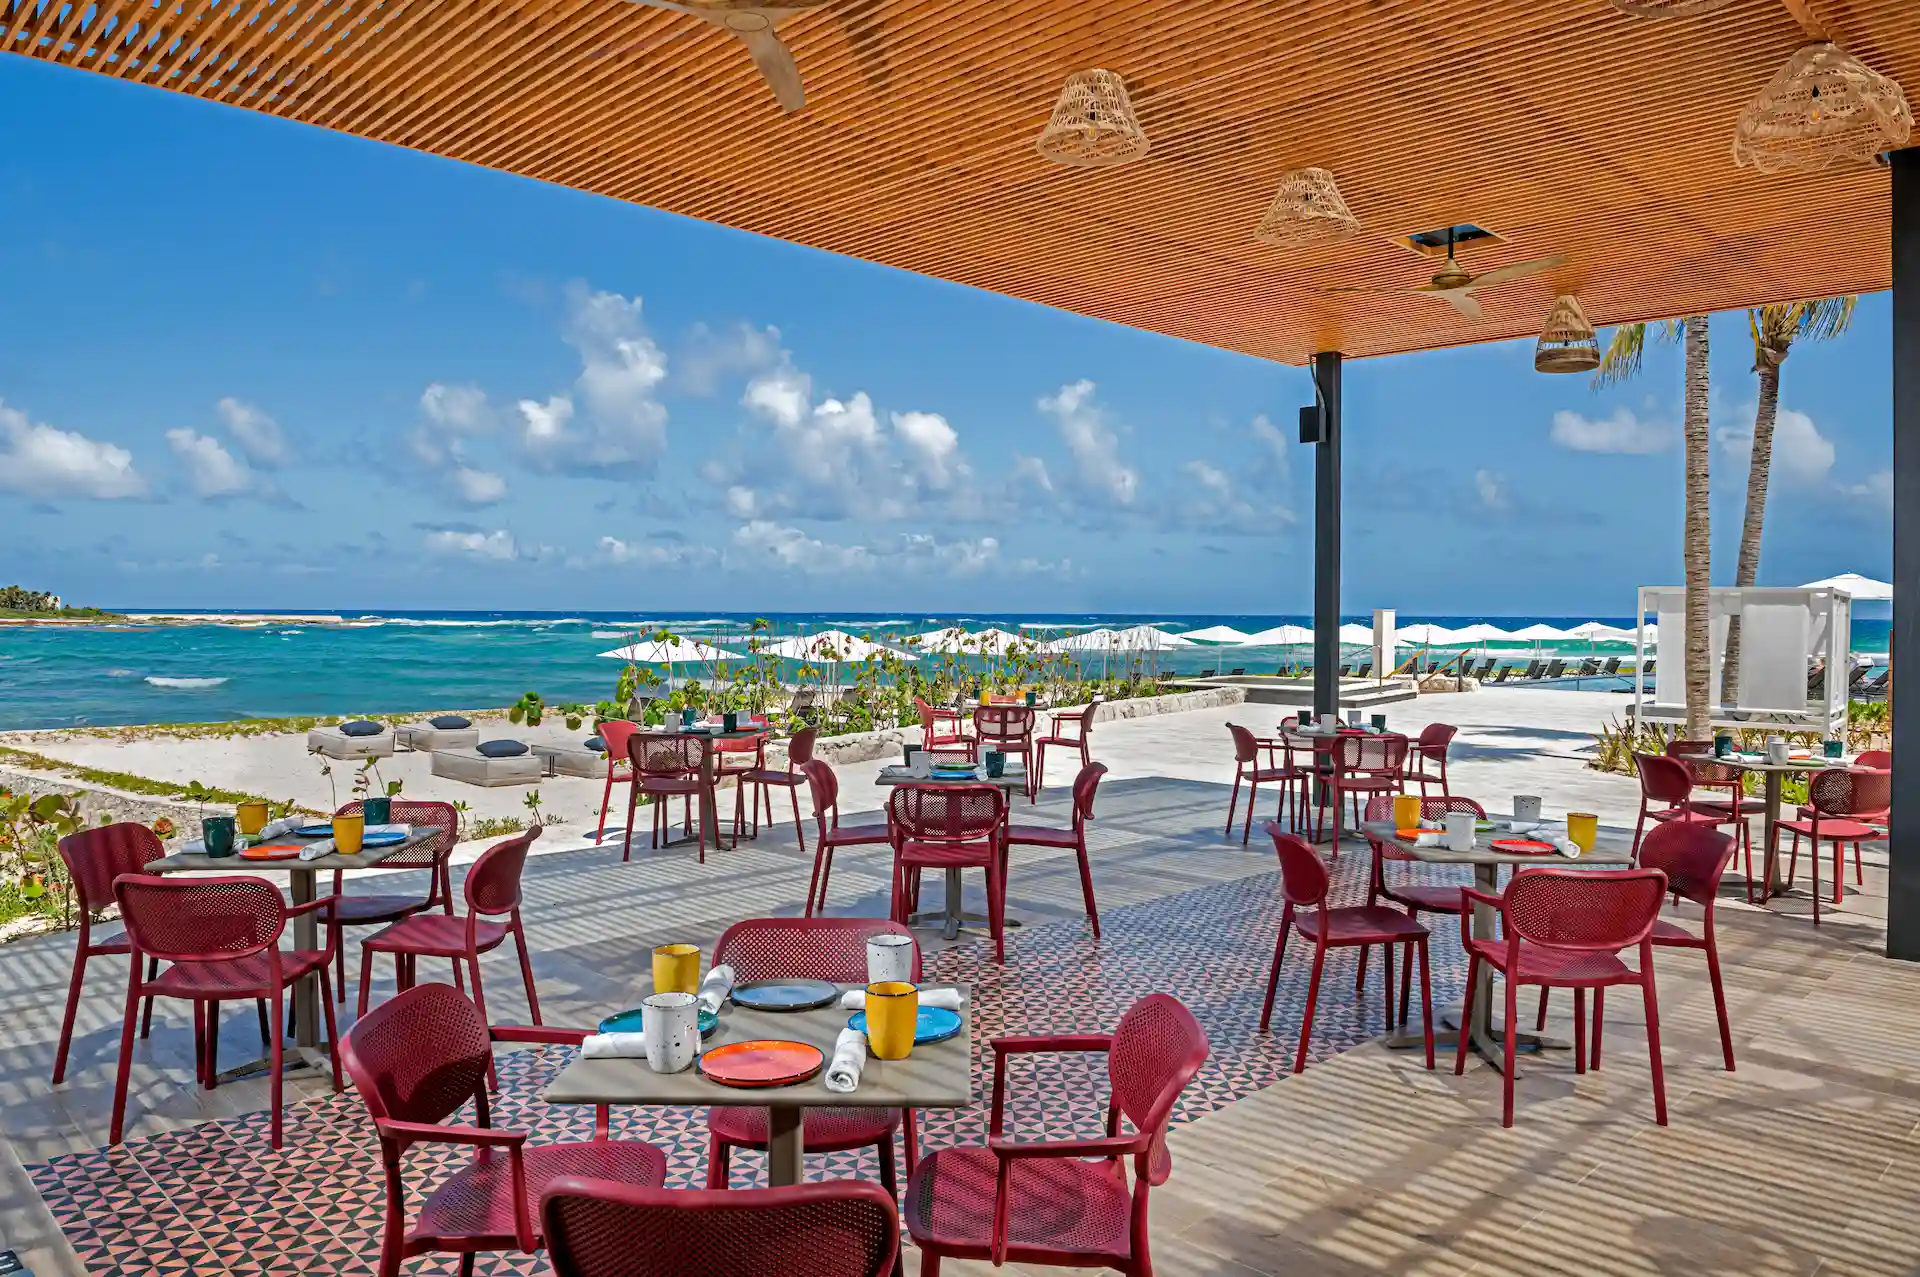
(427, 738)
(501, 748)
(335, 743)
(450, 722)
(594, 743)
(362, 727)
(475, 768)
(573, 760)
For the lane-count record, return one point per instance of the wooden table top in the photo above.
(1611, 847)
(1011, 778)
(1750, 763)
(938, 1075)
(365, 858)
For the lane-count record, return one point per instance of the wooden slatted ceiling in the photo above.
(1566, 127)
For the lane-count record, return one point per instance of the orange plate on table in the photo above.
(1411, 834)
(762, 1063)
(1523, 847)
(272, 851)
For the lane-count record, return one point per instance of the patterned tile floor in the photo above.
(214, 1198)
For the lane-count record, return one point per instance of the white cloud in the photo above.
(1492, 489)
(1624, 432)
(42, 462)
(479, 487)
(613, 421)
(1876, 489)
(790, 548)
(1800, 452)
(471, 543)
(707, 357)
(211, 470)
(652, 552)
(1095, 447)
(932, 447)
(460, 410)
(1254, 504)
(257, 434)
(761, 542)
(1275, 447)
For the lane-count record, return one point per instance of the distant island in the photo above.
(20, 604)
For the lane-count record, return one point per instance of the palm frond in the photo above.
(1827, 318)
(1626, 351)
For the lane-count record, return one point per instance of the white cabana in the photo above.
(830, 646)
(1281, 636)
(675, 651)
(1217, 634)
(1862, 589)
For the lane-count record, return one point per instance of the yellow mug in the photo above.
(1406, 811)
(347, 833)
(1583, 827)
(893, 1017)
(676, 968)
(251, 817)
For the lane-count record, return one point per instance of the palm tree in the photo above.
(1774, 329)
(1622, 361)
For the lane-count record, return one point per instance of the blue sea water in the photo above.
(106, 675)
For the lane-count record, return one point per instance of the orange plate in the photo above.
(763, 1063)
(1411, 834)
(273, 851)
(1524, 847)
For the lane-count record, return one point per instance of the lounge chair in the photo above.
(573, 759)
(336, 742)
(1364, 668)
(1236, 671)
(1853, 683)
(1611, 668)
(1876, 690)
(1534, 669)
(1555, 668)
(458, 733)
(476, 768)
(1505, 673)
(1486, 668)
(1346, 669)
(1205, 674)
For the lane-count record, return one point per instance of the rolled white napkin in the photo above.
(286, 824)
(1429, 840)
(1566, 846)
(1436, 825)
(849, 1059)
(388, 829)
(1519, 826)
(614, 1046)
(313, 851)
(944, 999)
(716, 988)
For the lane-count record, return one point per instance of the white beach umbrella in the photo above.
(1428, 634)
(1538, 634)
(1357, 634)
(1862, 588)
(1217, 634)
(1099, 640)
(829, 646)
(987, 642)
(1600, 632)
(676, 651)
(1279, 636)
(1147, 638)
(1481, 633)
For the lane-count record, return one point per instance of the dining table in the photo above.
(709, 774)
(302, 888)
(1772, 775)
(951, 916)
(1612, 849)
(936, 1075)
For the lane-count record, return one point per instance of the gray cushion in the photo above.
(449, 722)
(362, 727)
(501, 748)
(595, 743)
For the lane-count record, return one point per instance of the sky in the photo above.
(249, 364)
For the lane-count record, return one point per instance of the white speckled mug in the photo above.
(1460, 831)
(889, 958)
(671, 1023)
(1526, 807)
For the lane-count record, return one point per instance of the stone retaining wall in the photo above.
(102, 806)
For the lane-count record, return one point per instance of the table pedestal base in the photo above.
(1489, 1045)
(952, 916)
(295, 1062)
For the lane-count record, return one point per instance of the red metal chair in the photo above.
(1565, 928)
(1304, 882)
(1666, 795)
(940, 729)
(418, 1059)
(1879, 760)
(1694, 857)
(833, 949)
(824, 788)
(732, 760)
(1427, 758)
(663, 767)
(949, 827)
(221, 936)
(1363, 764)
(492, 890)
(1068, 731)
(1085, 785)
(765, 780)
(1720, 790)
(614, 734)
(1415, 897)
(1040, 1202)
(94, 858)
(1247, 751)
(1008, 729)
(598, 1229)
(1842, 802)
(376, 910)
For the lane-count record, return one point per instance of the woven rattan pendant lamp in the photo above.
(1825, 110)
(1306, 210)
(1093, 124)
(1568, 342)
(1668, 8)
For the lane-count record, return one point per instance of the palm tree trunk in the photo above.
(1696, 546)
(1759, 466)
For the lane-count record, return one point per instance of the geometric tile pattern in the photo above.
(214, 1198)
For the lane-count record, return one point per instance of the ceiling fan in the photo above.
(753, 25)
(1456, 286)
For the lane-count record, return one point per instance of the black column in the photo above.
(1903, 886)
(1326, 538)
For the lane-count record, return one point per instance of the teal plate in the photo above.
(934, 1024)
(324, 830)
(629, 1022)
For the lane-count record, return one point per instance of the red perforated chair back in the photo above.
(602, 1228)
(1697, 755)
(419, 1056)
(1370, 753)
(1603, 910)
(832, 949)
(1380, 807)
(1441, 808)
(493, 883)
(199, 918)
(800, 748)
(824, 787)
(1003, 724)
(946, 813)
(926, 718)
(1303, 875)
(1435, 737)
(1664, 780)
(1692, 856)
(615, 733)
(439, 817)
(667, 757)
(95, 857)
(1880, 760)
(1246, 749)
(1837, 792)
(1085, 786)
(1157, 1048)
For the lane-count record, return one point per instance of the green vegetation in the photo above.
(1868, 727)
(127, 782)
(33, 880)
(25, 604)
(495, 826)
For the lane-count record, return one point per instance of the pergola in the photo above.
(1566, 128)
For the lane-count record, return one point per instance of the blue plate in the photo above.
(785, 995)
(315, 831)
(389, 838)
(629, 1022)
(935, 1024)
